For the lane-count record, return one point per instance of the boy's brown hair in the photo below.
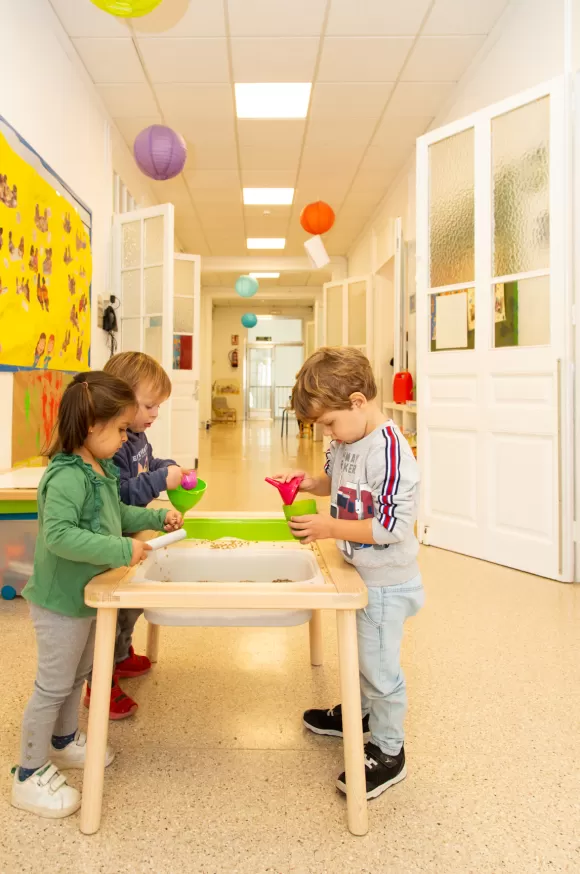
(328, 379)
(137, 368)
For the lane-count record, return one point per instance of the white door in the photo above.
(186, 358)
(493, 344)
(347, 313)
(143, 245)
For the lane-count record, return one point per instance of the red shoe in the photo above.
(133, 665)
(121, 705)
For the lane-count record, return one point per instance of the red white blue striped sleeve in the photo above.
(330, 456)
(387, 509)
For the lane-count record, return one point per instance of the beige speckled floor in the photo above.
(216, 776)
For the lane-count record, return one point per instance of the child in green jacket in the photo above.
(80, 524)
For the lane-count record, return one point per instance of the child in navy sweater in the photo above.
(143, 478)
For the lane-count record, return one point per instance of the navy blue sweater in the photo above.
(143, 477)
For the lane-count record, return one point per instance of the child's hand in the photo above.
(319, 526)
(286, 475)
(174, 476)
(140, 549)
(173, 521)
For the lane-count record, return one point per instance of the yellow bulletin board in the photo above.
(45, 264)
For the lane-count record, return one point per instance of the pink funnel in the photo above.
(288, 491)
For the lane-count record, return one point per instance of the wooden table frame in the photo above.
(342, 590)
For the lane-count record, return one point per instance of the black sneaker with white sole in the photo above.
(329, 722)
(381, 770)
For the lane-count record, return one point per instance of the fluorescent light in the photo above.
(269, 196)
(266, 242)
(265, 275)
(272, 99)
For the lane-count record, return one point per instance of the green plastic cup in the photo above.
(300, 508)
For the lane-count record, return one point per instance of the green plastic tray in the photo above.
(244, 529)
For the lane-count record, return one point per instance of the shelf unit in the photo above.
(405, 417)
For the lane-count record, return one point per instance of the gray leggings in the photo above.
(65, 657)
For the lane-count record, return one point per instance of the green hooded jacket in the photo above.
(81, 521)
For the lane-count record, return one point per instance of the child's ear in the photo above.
(357, 400)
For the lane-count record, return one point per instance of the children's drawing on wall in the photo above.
(36, 397)
(45, 260)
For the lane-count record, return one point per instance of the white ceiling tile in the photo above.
(185, 60)
(128, 101)
(276, 17)
(130, 127)
(298, 280)
(211, 280)
(110, 60)
(336, 158)
(85, 19)
(386, 158)
(376, 17)
(397, 132)
(362, 59)
(443, 59)
(197, 101)
(266, 226)
(269, 157)
(198, 179)
(195, 131)
(330, 187)
(261, 178)
(219, 197)
(464, 16)
(278, 212)
(368, 180)
(274, 59)
(210, 156)
(183, 18)
(419, 98)
(274, 134)
(331, 101)
(340, 130)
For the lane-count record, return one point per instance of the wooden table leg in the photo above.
(152, 649)
(352, 722)
(316, 645)
(98, 721)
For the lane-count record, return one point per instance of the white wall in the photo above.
(525, 49)
(47, 97)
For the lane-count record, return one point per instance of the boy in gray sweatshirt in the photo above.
(373, 480)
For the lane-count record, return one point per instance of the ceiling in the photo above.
(381, 70)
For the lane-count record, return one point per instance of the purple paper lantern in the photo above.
(160, 152)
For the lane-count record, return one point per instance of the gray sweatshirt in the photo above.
(378, 478)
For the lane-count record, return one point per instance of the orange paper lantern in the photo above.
(317, 218)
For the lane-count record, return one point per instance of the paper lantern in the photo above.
(127, 8)
(160, 152)
(317, 218)
(246, 286)
(249, 320)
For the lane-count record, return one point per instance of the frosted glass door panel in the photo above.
(131, 245)
(452, 210)
(154, 228)
(153, 277)
(521, 193)
(131, 293)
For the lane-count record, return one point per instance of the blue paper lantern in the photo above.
(249, 320)
(246, 286)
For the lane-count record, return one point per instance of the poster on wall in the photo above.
(45, 264)
(36, 398)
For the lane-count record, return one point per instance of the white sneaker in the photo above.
(45, 793)
(74, 755)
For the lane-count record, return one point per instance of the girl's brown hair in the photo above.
(90, 398)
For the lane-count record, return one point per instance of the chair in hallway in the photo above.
(222, 412)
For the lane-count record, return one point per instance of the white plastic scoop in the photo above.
(167, 539)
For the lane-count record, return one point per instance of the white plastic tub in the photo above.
(221, 564)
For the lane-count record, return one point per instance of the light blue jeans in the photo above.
(380, 632)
